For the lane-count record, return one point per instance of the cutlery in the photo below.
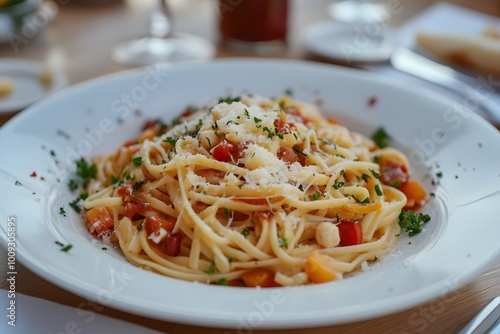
(486, 321)
(478, 90)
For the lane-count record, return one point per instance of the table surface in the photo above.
(79, 41)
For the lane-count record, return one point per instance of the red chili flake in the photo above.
(33, 174)
(372, 101)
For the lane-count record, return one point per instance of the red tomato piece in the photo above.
(171, 244)
(224, 151)
(350, 232)
(155, 223)
(99, 219)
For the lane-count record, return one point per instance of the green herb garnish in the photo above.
(411, 222)
(381, 137)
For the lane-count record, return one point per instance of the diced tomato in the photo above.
(350, 232)
(413, 191)
(99, 219)
(259, 277)
(393, 171)
(133, 205)
(171, 244)
(224, 151)
(155, 223)
(318, 268)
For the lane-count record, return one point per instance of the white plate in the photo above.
(459, 243)
(349, 43)
(25, 76)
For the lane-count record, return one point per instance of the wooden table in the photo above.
(79, 41)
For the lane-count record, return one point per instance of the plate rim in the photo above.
(220, 322)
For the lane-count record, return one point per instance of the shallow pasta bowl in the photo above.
(446, 144)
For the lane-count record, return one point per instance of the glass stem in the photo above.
(161, 22)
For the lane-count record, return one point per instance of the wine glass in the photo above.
(359, 12)
(162, 44)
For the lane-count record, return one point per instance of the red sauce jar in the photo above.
(253, 21)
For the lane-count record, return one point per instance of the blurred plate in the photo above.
(29, 83)
(349, 43)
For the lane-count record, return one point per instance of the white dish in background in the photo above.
(28, 87)
(457, 245)
(349, 43)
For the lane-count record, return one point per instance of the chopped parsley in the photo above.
(374, 173)
(411, 222)
(227, 213)
(62, 212)
(229, 99)
(316, 196)
(365, 201)
(395, 184)
(378, 191)
(257, 120)
(18, 183)
(72, 184)
(247, 114)
(289, 92)
(376, 159)
(74, 204)
(381, 137)
(211, 269)
(137, 161)
(338, 185)
(365, 177)
(64, 248)
(245, 232)
(85, 171)
(439, 174)
(297, 150)
(222, 281)
(283, 242)
(137, 185)
(140, 226)
(171, 141)
(270, 132)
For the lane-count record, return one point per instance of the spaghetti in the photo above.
(252, 192)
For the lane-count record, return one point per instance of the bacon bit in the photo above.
(288, 155)
(133, 204)
(33, 174)
(284, 128)
(372, 101)
(393, 171)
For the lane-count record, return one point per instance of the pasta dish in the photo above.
(251, 192)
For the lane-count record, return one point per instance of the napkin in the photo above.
(35, 315)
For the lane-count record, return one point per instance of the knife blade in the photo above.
(478, 91)
(485, 321)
